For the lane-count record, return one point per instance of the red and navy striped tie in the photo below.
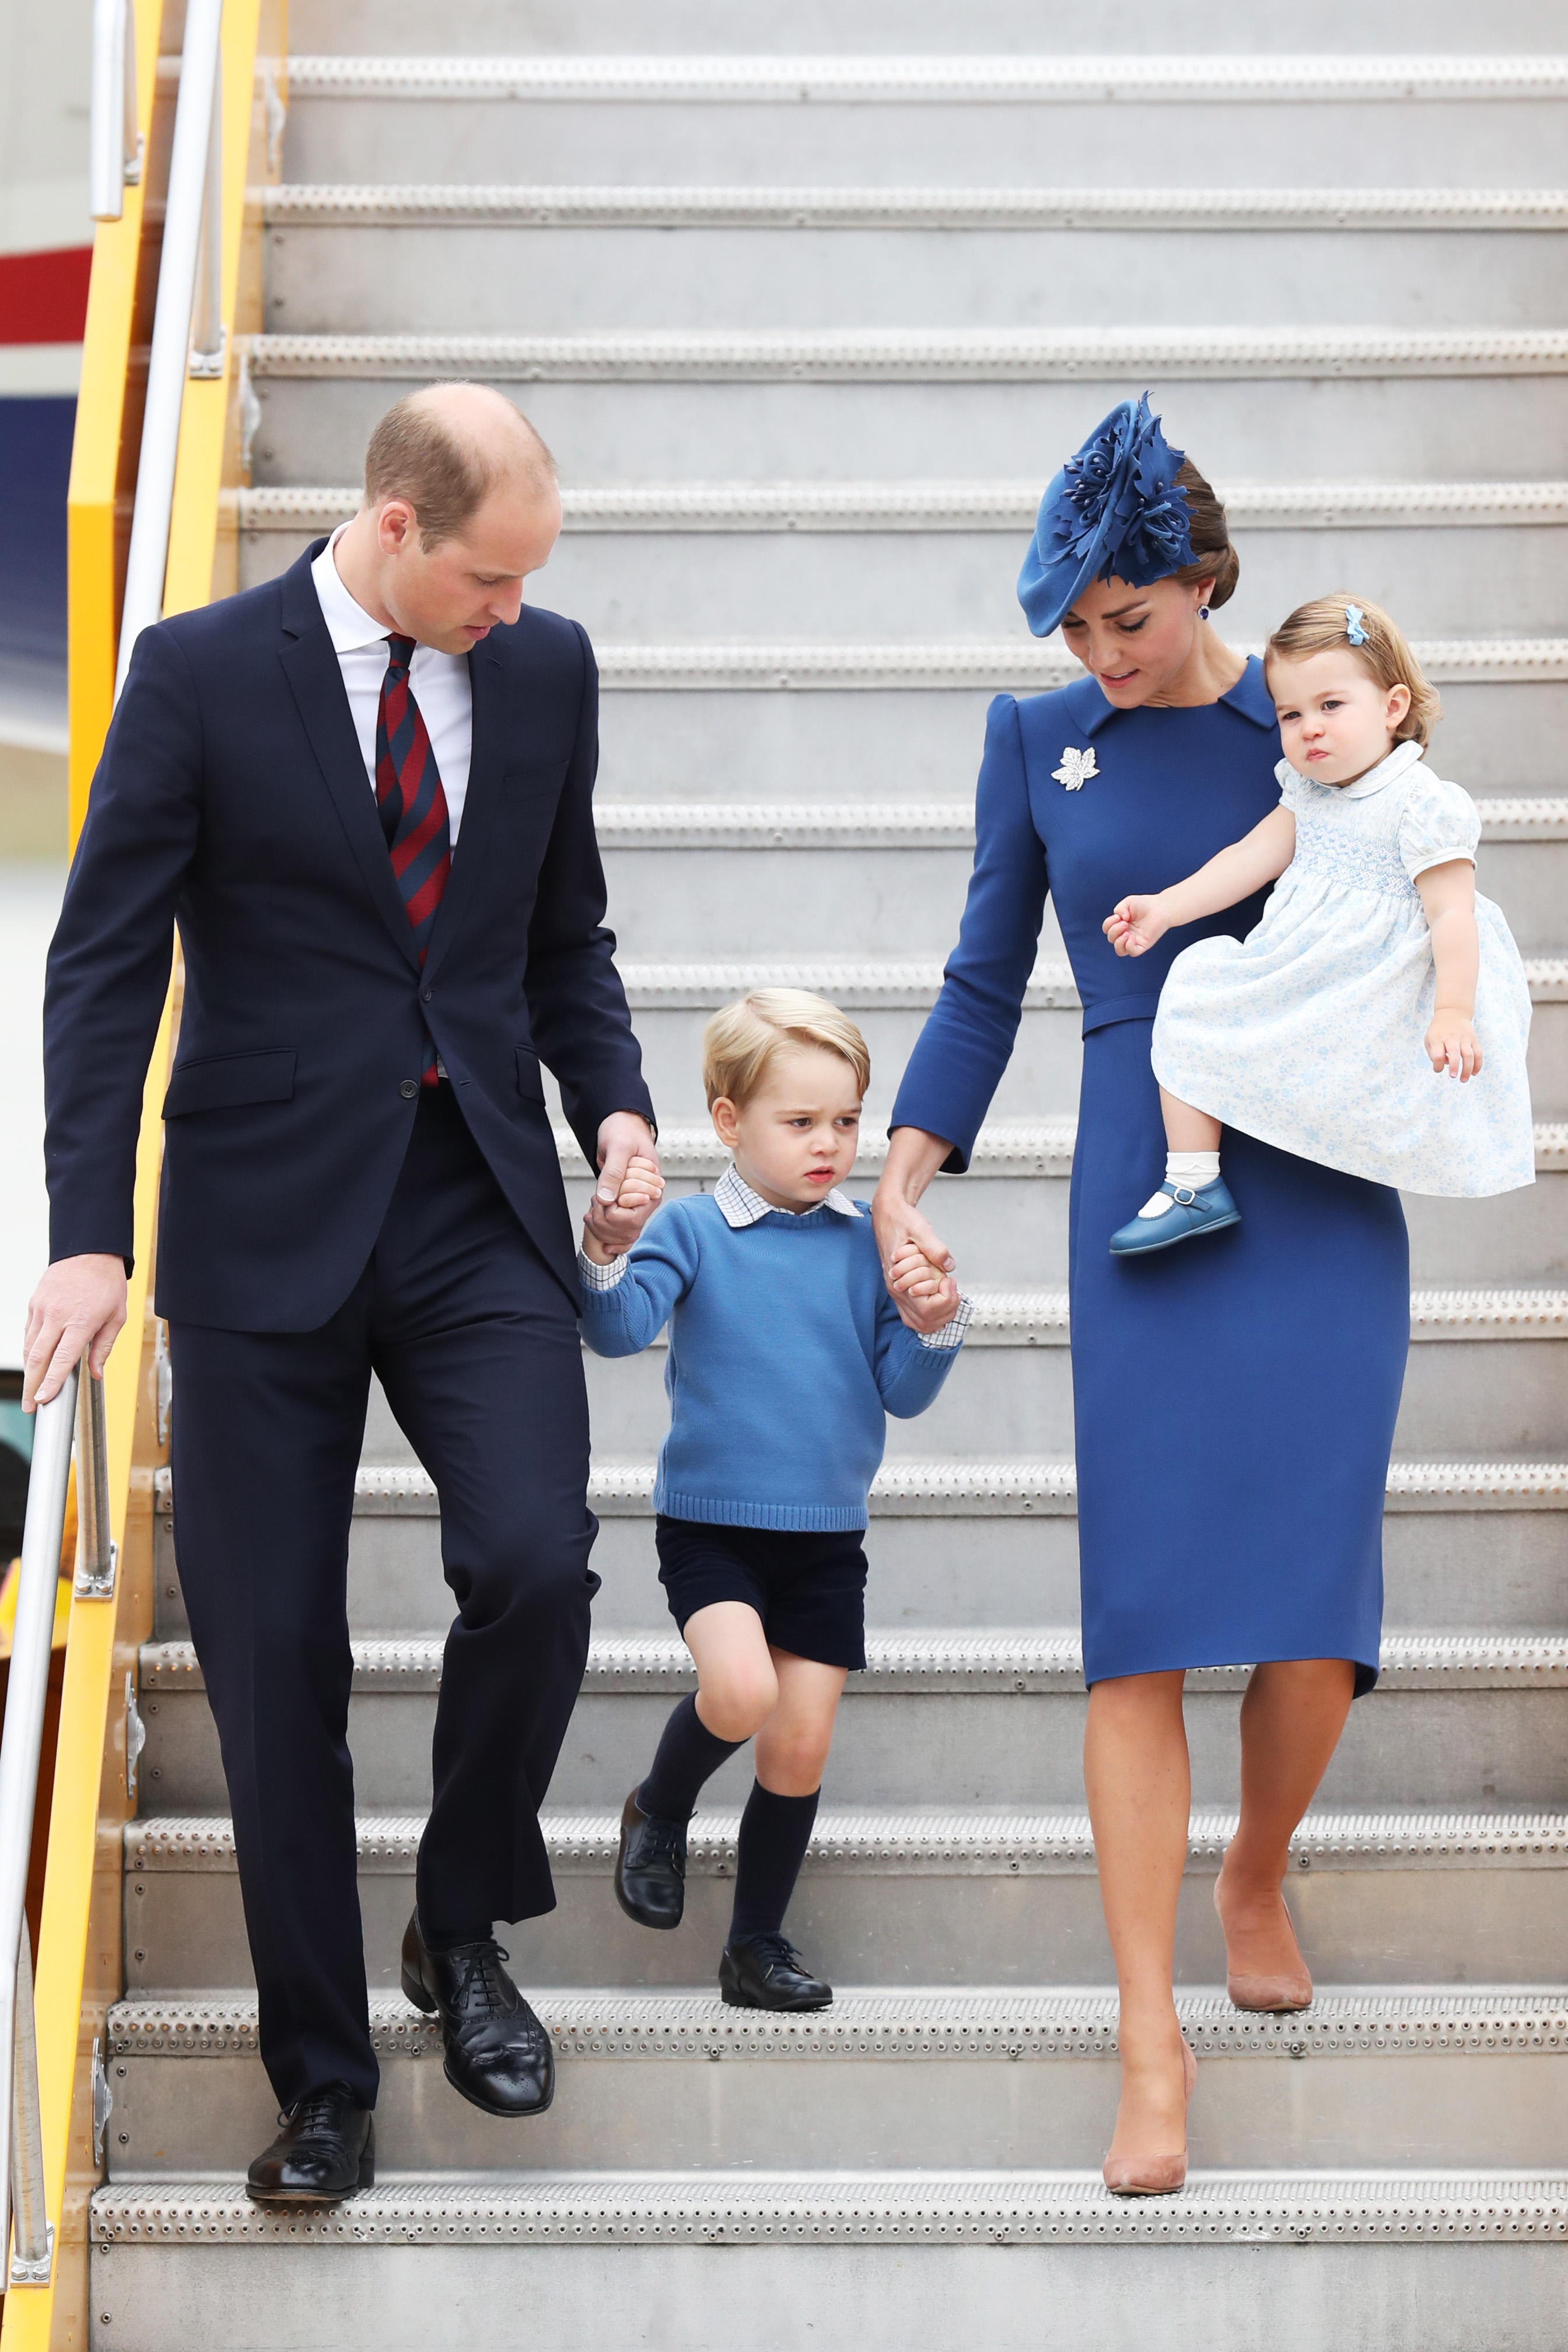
(412, 806)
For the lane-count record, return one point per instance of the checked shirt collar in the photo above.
(740, 1206)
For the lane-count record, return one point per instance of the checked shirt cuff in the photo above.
(600, 1278)
(950, 1336)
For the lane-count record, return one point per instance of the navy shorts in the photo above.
(808, 1588)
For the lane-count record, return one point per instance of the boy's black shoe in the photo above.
(325, 2151)
(651, 1868)
(766, 1972)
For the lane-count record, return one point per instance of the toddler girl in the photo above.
(1374, 968)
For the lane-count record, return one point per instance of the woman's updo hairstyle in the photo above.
(1323, 626)
(1212, 554)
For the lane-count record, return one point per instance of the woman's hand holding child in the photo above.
(926, 1297)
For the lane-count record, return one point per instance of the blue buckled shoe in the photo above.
(1207, 1211)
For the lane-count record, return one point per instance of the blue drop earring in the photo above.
(1203, 612)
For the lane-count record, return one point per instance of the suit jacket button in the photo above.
(409, 1089)
(427, 995)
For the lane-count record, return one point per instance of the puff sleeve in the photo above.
(1438, 824)
(1289, 784)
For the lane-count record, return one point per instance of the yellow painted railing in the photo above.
(80, 1957)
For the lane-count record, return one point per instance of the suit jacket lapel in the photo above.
(310, 666)
(491, 684)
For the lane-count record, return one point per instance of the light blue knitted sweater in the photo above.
(785, 1353)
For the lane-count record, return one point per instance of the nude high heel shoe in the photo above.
(1152, 2176)
(1277, 1995)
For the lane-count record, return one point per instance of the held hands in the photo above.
(629, 1190)
(1136, 924)
(916, 1265)
(924, 1293)
(1452, 1044)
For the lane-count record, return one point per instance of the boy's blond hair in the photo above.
(741, 1042)
(1324, 625)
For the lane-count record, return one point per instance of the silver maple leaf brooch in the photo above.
(1076, 769)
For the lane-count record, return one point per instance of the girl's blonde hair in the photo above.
(741, 1042)
(1324, 625)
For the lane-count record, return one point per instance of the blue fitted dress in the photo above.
(1235, 1399)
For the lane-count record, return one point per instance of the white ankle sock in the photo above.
(1191, 1168)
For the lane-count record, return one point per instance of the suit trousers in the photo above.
(476, 1345)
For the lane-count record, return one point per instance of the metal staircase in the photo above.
(808, 333)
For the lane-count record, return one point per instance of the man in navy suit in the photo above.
(363, 793)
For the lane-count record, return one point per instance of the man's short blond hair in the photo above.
(740, 1044)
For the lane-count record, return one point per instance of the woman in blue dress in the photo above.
(1234, 1400)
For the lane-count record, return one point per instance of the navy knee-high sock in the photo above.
(688, 1754)
(775, 1834)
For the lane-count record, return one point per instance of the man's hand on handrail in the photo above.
(79, 1305)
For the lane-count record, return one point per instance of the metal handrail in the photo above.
(194, 173)
(22, 2197)
(114, 140)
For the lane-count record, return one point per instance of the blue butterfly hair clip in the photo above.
(1354, 617)
(1115, 511)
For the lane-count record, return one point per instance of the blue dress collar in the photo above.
(1089, 708)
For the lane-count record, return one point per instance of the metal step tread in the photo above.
(1033, 1319)
(1002, 1148)
(1037, 1661)
(902, 80)
(964, 1486)
(1002, 665)
(1006, 2024)
(919, 355)
(1037, 1319)
(578, 205)
(926, 824)
(596, 2209)
(935, 505)
(867, 984)
(928, 1841)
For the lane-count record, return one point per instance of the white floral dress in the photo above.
(1308, 1034)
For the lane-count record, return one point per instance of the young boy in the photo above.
(785, 1353)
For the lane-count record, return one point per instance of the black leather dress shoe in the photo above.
(498, 2054)
(767, 1972)
(325, 2151)
(651, 1868)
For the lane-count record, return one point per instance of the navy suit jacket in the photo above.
(232, 799)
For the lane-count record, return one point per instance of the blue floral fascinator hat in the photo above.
(1116, 509)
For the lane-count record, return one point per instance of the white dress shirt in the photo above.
(439, 682)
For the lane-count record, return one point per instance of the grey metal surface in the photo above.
(885, 355)
(958, 1719)
(1499, 1568)
(771, 584)
(459, 2283)
(1229, 37)
(928, 1898)
(313, 430)
(913, 2078)
(666, 277)
(710, 508)
(591, 132)
(993, 2208)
